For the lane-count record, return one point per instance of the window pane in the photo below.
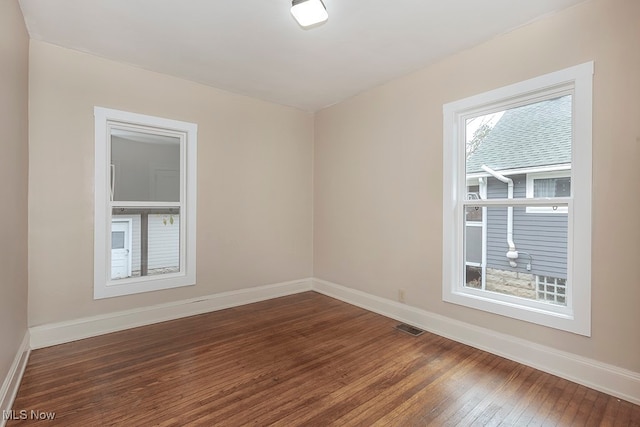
(518, 248)
(551, 289)
(528, 136)
(516, 258)
(473, 244)
(552, 187)
(473, 213)
(544, 188)
(155, 242)
(164, 244)
(473, 249)
(117, 239)
(563, 187)
(144, 167)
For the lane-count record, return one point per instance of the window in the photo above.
(548, 185)
(551, 289)
(145, 203)
(511, 157)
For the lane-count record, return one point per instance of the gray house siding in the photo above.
(544, 236)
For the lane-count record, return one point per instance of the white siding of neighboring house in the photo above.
(163, 241)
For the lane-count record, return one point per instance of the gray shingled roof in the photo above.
(532, 135)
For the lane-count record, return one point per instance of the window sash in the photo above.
(542, 201)
(144, 237)
(144, 206)
(560, 311)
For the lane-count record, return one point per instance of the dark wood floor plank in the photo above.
(597, 410)
(403, 382)
(516, 376)
(630, 415)
(536, 398)
(509, 398)
(487, 401)
(301, 360)
(568, 391)
(610, 412)
(569, 414)
(428, 403)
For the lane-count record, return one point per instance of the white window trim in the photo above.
(576, 316)
(529, 191)
(104, 287)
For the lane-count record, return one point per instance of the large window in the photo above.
(517, 200)
(145, 200)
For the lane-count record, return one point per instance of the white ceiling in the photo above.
(255, 47)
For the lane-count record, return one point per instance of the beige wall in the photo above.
(14, 56)
(378, 174)
(254, 182)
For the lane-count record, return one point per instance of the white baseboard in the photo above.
(609, 379)
(63, 332)
(11, 383)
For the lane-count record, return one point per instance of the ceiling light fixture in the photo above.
(309, 12)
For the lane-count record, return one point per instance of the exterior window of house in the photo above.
(552, 187)
(517, 200)
(549, 185)
(145, 201)
(551, 289)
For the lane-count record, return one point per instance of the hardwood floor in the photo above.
(305, 360)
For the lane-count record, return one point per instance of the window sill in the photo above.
(557, 317)
(136, 285)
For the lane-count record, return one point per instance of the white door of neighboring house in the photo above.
(120, 249)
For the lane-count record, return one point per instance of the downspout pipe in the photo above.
(512, 253)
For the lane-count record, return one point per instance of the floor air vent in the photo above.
(409, 329)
